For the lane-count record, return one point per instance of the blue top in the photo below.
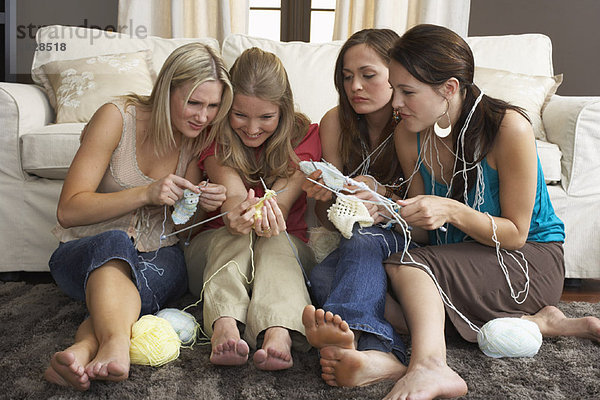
(545, 226)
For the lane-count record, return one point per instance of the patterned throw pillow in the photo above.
(77, 88)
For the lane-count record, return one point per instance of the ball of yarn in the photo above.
(510, 337)
(183, 322)
(153, 342)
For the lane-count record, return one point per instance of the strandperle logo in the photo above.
(67, 32)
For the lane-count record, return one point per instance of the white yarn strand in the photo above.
(524, 269)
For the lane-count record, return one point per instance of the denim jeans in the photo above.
(159, 276)
(352, 283)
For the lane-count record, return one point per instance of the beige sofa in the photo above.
(84, 66)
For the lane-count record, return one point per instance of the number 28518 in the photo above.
(51, 46)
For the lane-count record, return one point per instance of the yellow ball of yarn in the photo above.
(153, 342)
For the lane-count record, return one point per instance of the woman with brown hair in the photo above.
(477, 197)
(357, 138)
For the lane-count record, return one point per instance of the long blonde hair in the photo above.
(192, 62)
(261, 74)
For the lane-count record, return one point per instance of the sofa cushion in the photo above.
(48, 151)
(79, 87)
(309, 67)
(529, 53)
(531, 92)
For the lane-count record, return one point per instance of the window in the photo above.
(287, 20)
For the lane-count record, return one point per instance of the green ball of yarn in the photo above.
(183, 322)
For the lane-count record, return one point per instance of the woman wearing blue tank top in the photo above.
(477, 196)
(477, 201)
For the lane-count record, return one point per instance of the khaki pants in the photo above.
(273, 294)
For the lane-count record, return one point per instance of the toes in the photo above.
(320, 316)
(329, 379)
(344, 326)
(308, 316)
(242, 348)
(328, 370)
(328, 317)
(229, 345)
(337, 319)
(279, 354)
(260, 356)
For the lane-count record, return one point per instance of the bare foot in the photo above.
(66, 368)
(111, 362)
(424, 382)
(276, 352)
(349, 367)
(324, 329)
(553, 322)
(227, 347)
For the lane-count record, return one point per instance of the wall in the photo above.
(31, 14)
(572, 25)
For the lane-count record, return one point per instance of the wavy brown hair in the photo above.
(433, 54)
(261, 74)
(354, 134)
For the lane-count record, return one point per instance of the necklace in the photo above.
(368, 157)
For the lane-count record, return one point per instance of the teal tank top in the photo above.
(545, 226)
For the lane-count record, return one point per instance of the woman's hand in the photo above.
(240, 219)
(212, 196)
(426, 211)
(369, 181)
(315, 191)
(168, 190)
(271, 222)
(370, 203)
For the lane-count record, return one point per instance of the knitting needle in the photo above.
(193, 226)
(265, 187)
(263, 183)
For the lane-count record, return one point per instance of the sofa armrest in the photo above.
(573, 123)
(23, 107)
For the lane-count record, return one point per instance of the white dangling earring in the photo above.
(443, 132)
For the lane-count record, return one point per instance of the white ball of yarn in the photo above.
(183, 322)
(510, 337)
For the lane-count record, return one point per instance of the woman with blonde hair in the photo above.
(137, 155)
(245, 265)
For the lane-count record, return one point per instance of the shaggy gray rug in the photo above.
(38, 320)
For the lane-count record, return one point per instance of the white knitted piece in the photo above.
(332, 177)
(185, 207)
(346, 211)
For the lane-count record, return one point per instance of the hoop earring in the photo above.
(437, 129)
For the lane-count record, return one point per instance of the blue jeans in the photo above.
(159, 276)
(352, 283)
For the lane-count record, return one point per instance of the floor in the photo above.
(587, 290)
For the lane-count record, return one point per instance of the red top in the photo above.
(308, 149)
